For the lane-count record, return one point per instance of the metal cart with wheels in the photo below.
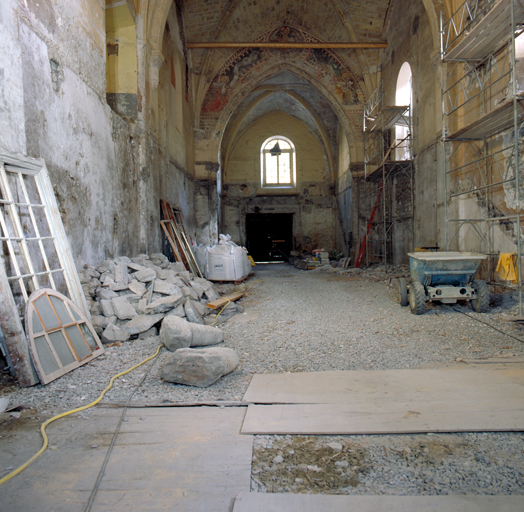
(446, 277)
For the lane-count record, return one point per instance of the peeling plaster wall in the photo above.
(108, 172)
(312, 202)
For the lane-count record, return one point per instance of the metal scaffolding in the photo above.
(482, 124)
(388, 197)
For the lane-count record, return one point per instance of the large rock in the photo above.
(211, 294)
(106, 308)
(141, 323)
(192, 313)
(178, 311)
(100, 322)
(178, 333)
(113, 333)
(122, 309)
(198, 288)
(105, 294)
(175, 333)
(164, 304)
(199, 367)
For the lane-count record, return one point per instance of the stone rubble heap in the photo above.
(130, 297)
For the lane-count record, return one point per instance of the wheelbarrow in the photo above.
(445, 277)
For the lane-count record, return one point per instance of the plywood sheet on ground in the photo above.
(260, 502)
(191, 459)
(397, 401)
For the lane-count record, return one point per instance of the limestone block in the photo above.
(164, 304)
(118, 287)
(166, 288)
(113, 333)
(199, 289)
(120, 274)
(140, 259)
(192, 314)
(152, 266)
(211, 294)
(137, 288)
(141, 323)
(159, 259)
(141, 307)
(175, 333)
(201, 308)
(145, 276)
(148, 334)
(203, 282)
(178, 311)
(107, 294)
(176, 281)
(177, 266)
(122, 259)
(106, 279)
(204, 335)
(95, 309)
(199, 367)
(135, 266)
(166, 273)
(185, 275)
(189, 292)
(106, 308)
(123, 309)
(105, 266)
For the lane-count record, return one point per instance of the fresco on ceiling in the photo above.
(243, 66)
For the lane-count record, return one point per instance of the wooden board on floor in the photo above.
(382, 402)
(380, 386)
(262, 502)
(225, 299)
(191, 459)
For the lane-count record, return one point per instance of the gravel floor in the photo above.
(297, 321)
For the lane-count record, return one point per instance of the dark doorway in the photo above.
(269, 236)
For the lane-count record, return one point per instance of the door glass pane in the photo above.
(78, 342)
(61, 310)
(46, 357)
(37, 325)
(46, 313)
(62, 348)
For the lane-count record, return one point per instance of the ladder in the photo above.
(370, 225)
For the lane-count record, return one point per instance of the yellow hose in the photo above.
(67, 413)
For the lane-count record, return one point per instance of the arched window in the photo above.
(278, 162)
(403, 98)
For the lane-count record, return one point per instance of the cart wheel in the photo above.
(417, 298)
(402, 292)
(481, 303)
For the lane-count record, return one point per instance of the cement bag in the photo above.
(220, 264)
(247, 263)
(200, 252)
(238, 261)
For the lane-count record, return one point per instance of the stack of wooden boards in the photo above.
(178, 238)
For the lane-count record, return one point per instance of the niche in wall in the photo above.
(269, 236)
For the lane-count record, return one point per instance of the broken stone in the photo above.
(176, 281)
(148, 334)
(106, 308)
(122, 259)
(199, 367)
(118, 287)
(192, 314)
(120, 274)
(185, 275)
(178, 333)
(177, 266)
(203, 282)
(178, 311)
(204, 335)
(137, 288)
(175, 333)
(141, 307)
(91, 287)
(106, 279)
(95, 309)
(211, 294)
(123, 309)
(100, 322)
(107, 294)
(114, 333)
(105, 266)
(189, 292)
(166, 273)
(135, 266)
(199, 289)
(140, 259)
(145, 276)
(152, 266)
(201, 309)
(166, 288)
(141, 323)
(159, 259)
(164, 304)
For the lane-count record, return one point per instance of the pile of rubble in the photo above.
(129, 297)
(147, 296)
